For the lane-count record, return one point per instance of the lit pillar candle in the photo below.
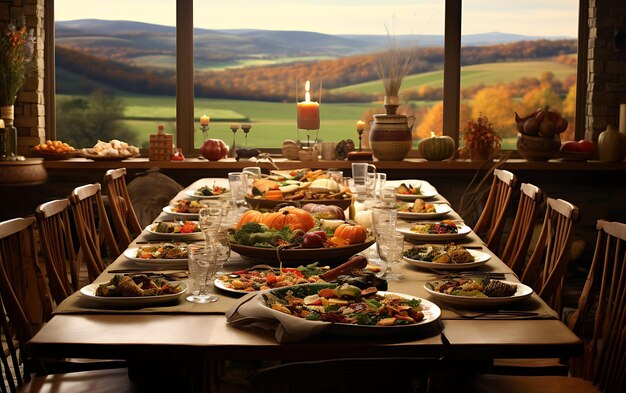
(205, 120)
(622, 118)
(308, 111)
(1, 123)
(360, 125)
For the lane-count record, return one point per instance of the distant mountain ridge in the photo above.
(147, 38)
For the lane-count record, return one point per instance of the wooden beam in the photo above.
(184, 75)
(452, 69)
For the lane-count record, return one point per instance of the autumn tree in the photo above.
(432, 120)
(496, 102)
(539, 97)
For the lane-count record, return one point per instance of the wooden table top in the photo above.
(143, 335)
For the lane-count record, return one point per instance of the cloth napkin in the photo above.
(250, 309)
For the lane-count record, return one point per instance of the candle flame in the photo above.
(432, 134)
(307, 95)
(307, 86)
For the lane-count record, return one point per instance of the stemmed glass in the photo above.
(210, 218)
(384, 226)
(219, 240)
(203, 267)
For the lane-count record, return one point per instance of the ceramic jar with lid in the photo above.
(611, 145)
(391, 137)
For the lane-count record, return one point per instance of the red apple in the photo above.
(587, 146)
(313, 240)
(570, 146)
(214, 149)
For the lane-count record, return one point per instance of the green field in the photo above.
(487, 74)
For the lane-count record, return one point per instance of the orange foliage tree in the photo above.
(497, 103)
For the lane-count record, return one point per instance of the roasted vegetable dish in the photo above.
(163, 251)
(345, 304)
(136, 285)
(261, 279)
(409, 189)
(419, 206)
(175, 227)
(210, 191)
(187, 206)
(439, 253)
(474, 287)
(439, 228)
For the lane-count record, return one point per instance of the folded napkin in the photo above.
(250, 309)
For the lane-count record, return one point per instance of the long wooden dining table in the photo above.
(176, 333)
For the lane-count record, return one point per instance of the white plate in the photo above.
(222, 285)
(89, 292)
(428, 191)
(480, 258)
(185, 216)
(522, 293)
(192, 194)
(441, 209)
(431, 311)
(286, 174)
(174, 236)
(463, 230)
(131, 253)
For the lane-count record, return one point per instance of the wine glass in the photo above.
(390, 248)
(202, 269)
(210, 218)
(219, 240)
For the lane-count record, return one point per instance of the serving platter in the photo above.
(294, 257)
(268, 204)
(96, 157)
(523, 292)
(431, 311)
(192, 194)
(441, 209)
(89, 292)
(169, 263)
(480, 258)
(427, 190)
(463, 231)
(54, 156)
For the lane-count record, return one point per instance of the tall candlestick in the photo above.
(622, 118)
(308, 111)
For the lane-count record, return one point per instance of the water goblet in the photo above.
(219, 240)
(390, 248)
(202, 269)
(235, 181)
(388, 197)
(210, 218)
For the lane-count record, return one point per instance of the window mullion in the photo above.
(184, 75)
(452, 69)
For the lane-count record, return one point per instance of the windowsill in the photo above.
(407, 164)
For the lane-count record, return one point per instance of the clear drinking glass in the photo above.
(381, 179)
(390, 248)
(249, 175)
(202, 269)
(210, 218)
(235, 182)
(388, 197)
(219, 240)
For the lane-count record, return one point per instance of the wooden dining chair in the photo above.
(92, 228)
(599, 321)
(123, 215)
(58, 249)
(548, 263)
(25, 305)
(493, 216)
(516, 248)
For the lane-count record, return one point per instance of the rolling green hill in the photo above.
(487, 74)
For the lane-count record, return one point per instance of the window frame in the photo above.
(185, 115)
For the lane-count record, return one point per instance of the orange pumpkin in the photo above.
(291, 217)
(251, 216)
(352, 233)
(273, 195)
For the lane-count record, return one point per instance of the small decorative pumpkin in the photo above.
(436, 148)
(290, 150)
(364, 217)
(250, 216)
(291, 217)
(324, 211)
(611, 145)
(352, 233)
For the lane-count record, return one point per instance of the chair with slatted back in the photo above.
(123, 215)
(599, 321)
(58, 249)
(514, 254)
(25, 305)
(493, 216)
(548, 263)
(92, 228)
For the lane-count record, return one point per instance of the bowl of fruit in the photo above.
(539, 134)
(54, 150)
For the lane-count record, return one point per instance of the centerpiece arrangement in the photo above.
(481, 140)
(16, 64)
(539, 134)
(391, 135)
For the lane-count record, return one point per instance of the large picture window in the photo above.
(116, 66)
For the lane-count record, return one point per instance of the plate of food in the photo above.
(478, 291)
(446, 230)
(267, 193)
(208, 192)
(185, 209)
(350, 310)
(444, 257)
(166, 255)
(175, 229)
(114, 150)
(421, 210)
(262, 278)
(415, 189)
(133, 291)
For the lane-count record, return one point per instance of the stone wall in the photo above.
(30, 104)
(606, 74)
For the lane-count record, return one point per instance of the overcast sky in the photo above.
(529, 17)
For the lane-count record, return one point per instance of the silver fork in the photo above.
(504, 313)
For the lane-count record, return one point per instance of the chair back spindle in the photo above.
(123, 215)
